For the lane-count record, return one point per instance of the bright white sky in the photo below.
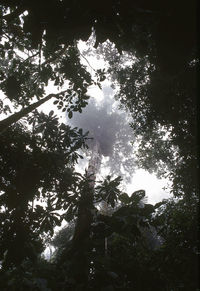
(141, 179)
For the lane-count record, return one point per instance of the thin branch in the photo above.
(87, 62)
(32, 56)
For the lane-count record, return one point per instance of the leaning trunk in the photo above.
(5, 123)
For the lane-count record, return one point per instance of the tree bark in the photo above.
(84, 220)
(5, 123)
(81, 238)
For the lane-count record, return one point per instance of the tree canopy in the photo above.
(151, 52)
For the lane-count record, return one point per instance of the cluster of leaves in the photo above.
(23, 78)
(155, 28)
(179, 256)
(37, 179)
(163, 105)
(138, 238)
(164, 111)
(26, 69)
(37, 166)
(108, 190)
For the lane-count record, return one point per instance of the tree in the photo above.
(108, 128)
(36, 167)
(152, 32)
(27, 70)
(22, 79)
(148, 29)
(4, 124)
(158, 241)
(164, 109)
(38, 46)
(178, 258)
(124, 229)
(163, 106)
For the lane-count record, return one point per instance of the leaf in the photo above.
(147, 210)
(69, 215)
(57, 221)
(124, 198)
(70, 114)
(40, 128)
(137, 196)
(51, 113)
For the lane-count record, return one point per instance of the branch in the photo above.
(5, 123)
(32, 56)
(87, 62)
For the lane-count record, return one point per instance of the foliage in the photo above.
(163, 104)
(164, 114)
(150, 27)
(158, 241)
(164, 111)
(178, 259)
(36, 167)
(141, 238)
(26, 69)
(124, 225)
(39, 187)
(39, 42)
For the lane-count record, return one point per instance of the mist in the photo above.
(109, 127)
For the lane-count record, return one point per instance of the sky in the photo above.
(140, 179)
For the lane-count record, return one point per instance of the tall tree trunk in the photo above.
(81, 238)
(5, 123)
(86, 200)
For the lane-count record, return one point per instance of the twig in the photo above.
(32, 56)
(87, 62)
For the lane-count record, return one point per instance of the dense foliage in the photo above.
(152, 56)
